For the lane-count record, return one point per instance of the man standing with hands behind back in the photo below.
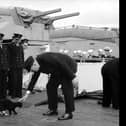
(62, 70)
(4, 68)
(16, 66)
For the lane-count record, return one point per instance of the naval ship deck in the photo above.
(88, 113)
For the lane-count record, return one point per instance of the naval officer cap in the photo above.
(107, 48)
(16, 35)
(1, 35)
(24, 41)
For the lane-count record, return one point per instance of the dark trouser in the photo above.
(15, 82)
(107, 90)
(110, 90)
(115, 92)
(3, 84)
(67, 88)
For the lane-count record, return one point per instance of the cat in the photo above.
(7, 104)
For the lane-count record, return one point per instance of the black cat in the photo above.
(7, 104)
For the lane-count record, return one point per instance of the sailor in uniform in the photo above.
(16, 66)
(4, 68)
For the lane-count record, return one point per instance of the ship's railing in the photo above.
(84, 27)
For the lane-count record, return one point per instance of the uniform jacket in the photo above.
(4, 58)
(16, 56)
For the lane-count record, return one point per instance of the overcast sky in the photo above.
(104, 13)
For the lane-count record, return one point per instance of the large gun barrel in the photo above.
(7, 11)
(64, 16)
(48, 12)
(24, 15)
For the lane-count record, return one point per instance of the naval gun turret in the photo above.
(28, 18)
(23, 16)
(48, 22)
(32, 24)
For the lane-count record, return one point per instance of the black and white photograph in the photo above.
(59, 63)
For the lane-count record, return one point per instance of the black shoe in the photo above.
(50, 113)
(103, 104)
(100, 102)
(115, 107)
(66, 116)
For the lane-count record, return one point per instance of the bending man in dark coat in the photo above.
(62, 70)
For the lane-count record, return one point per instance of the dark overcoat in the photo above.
(56, 64)
(4, 68)
(111, 83)
(16, 61)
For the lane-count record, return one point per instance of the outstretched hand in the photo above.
(23, 99)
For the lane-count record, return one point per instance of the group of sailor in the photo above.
(11, 66)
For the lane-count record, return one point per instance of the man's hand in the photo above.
(25, 71)
(23, 99)
(75, 86)
(75, 82)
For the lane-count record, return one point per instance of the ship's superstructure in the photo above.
(33, 24)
